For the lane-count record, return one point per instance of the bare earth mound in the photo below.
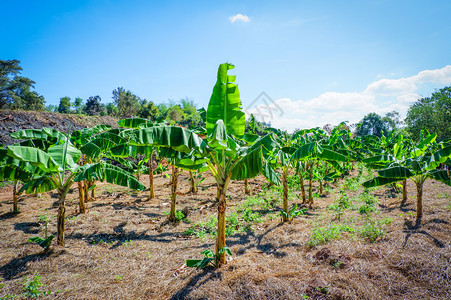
(122, 248)
(14, 120)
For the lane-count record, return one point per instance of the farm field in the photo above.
(350, 245)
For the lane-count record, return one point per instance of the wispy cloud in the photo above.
(239, 18)
(381, 96)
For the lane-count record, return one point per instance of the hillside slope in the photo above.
(13, 120)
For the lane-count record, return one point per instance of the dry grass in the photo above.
(122, 249)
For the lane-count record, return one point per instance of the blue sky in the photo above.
(320, 61)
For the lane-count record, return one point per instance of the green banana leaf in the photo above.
(38, 185)
(178, 138)
(131, 122)
(112, 174)
(441, 175)
(396, 172)
(328, 154)
(379, 181)
(126, 150)
(65, 155)
(225, 104)
(306, 151)
(35, 157)
(44, 243)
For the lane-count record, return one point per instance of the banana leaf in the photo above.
(112, 174)
(35, 157)
(225, 104)
(131, 122)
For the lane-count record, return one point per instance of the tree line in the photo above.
(17, 92)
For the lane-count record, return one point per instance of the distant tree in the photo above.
(188, 106)
(15, 90)
(148, 110)
(92, 107)
(432, 113)
(78, 105)
(371, 124)
(127, 103)
(51, 108)
(32, 100)
(392, 121)
(65, 105)
(163, 110)
(176, 114)
(103, 111)
(111, 110)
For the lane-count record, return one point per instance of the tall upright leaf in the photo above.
(225, 103)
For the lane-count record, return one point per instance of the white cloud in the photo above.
(239, 18)
(381, 96)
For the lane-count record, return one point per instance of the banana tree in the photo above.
(16, 171)
(419, 164)
(313, 153)
(60, 170)
(221, 149)
(280, 154)
(389, 150)
(180, 161)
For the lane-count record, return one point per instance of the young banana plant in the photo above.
(419, 164)
(221, 149)
(60, 170)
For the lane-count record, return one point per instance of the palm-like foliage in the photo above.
(419, 163)
(60, 169)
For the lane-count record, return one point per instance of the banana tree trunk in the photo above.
(151, 189)
(247, 190)
(419, 185)
(93, 190)
(85, 189)
(15, 204)
(172, 217)
(285, 193)
(221, 240)
(301, 180)
(404, 190)
(193, 188)
(320, 187)
(81, 198)
(310, 185)
(61, 217)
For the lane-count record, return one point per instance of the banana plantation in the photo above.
(321, 195)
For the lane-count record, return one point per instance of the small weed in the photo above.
(209, 259)
(293, 213)
(369, 203)
(337, 264)
(332, 231)
(323, 289)
(118, 278)
(233, 224)
(201, 229)
(32, 288)
(373, 230)
(443, 195)
(179, 216)
(128, 243)
(250, 216)
(340, 205)
(352, 184)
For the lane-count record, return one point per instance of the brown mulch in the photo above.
(122, 248)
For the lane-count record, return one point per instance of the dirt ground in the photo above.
(122, 248)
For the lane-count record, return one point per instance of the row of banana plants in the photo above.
(47, 160)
